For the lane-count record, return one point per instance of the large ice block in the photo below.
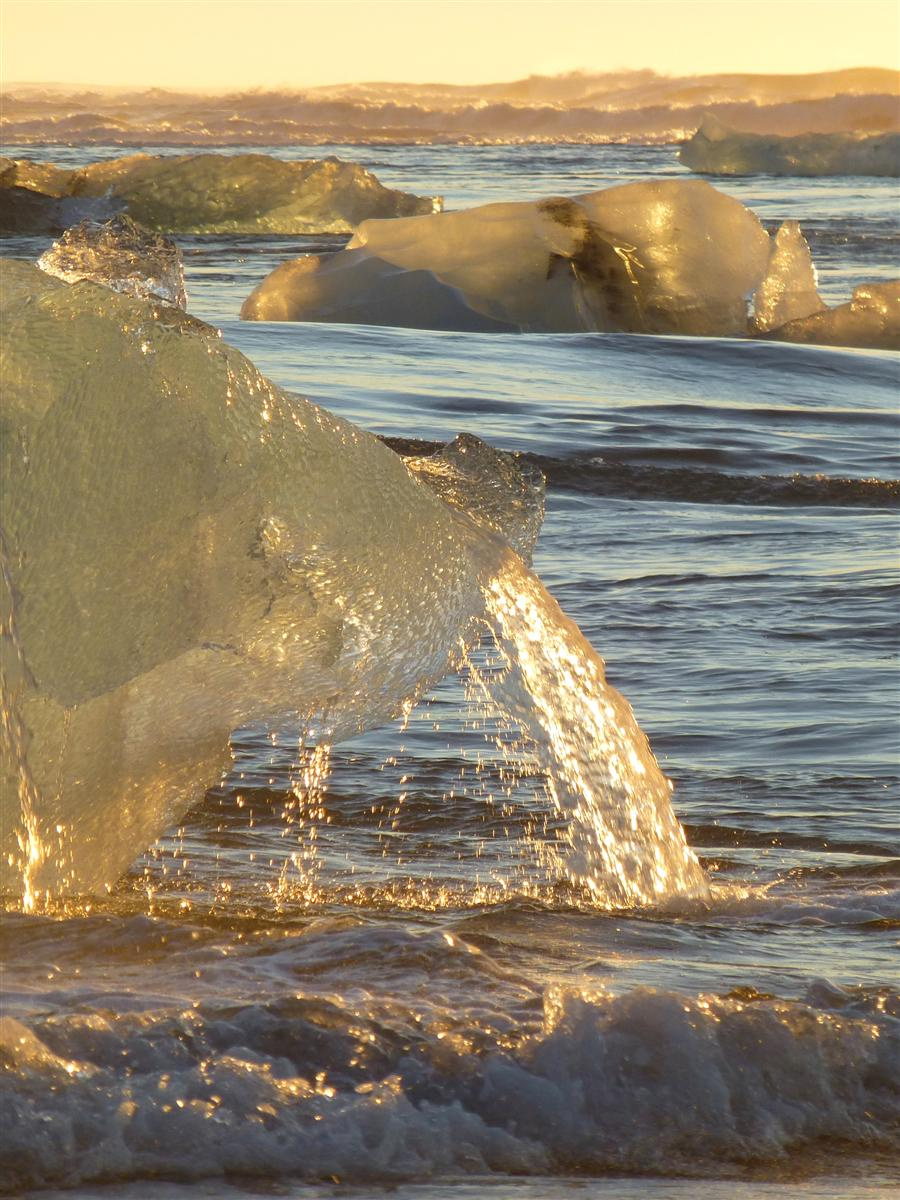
(246, 193)
(185, 548)
(715, 149)
(669, 256)
(214, 193)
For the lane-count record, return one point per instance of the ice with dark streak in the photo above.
(715, 149)
(664, 256)
(186, 549)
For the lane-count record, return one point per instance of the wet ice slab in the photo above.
(217, 193)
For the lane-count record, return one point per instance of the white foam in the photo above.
(648, 1081)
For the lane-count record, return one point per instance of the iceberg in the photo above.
(870, 321)
(715, 149)
(186, 549)
(669, 256)
(121, 255)
(208, 193)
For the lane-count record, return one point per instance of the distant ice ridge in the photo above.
(121, 255)
(671, 256)
(649, 1082)
(207, 193)
(187, 549)
(716, 149)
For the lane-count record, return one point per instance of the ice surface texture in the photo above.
(122, 256)
(186, 548)
(671, 256)
(209, 193)
(717, 150)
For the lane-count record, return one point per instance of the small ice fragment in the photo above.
(121, 255)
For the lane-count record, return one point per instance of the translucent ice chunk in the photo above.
(788, 290)
(671, 256)
(189, 548)
(495, 489)
(870, 321)
(717, 150)
(120, 255)
(245, 193)
(35, 176)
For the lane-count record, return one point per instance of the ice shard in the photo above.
(789, 290)
(121, 255)
(668, 256)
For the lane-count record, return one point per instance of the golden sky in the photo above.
(216, 44)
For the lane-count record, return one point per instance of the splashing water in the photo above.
(627, 846)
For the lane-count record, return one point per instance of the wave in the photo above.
(591, 474)
(646, 1082)
(635, 106)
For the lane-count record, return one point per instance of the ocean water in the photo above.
(383, 985)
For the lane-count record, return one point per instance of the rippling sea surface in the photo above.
(378, 985)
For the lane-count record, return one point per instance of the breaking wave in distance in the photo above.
(636, 106)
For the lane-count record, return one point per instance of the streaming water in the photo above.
(627, 846)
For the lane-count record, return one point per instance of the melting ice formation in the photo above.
(666, 256)
(121, 255)
(186, 548)
(202, 193)
(715, 149)
(663, 257)
(870, 321)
